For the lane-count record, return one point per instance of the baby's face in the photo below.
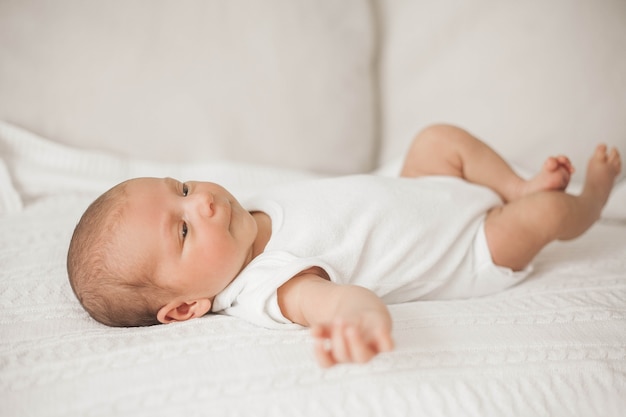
(195, 235)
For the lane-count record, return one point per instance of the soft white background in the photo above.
(330, 86)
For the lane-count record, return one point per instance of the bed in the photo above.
(553, 345)
(94, 93)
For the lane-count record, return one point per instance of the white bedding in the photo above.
(555, 345)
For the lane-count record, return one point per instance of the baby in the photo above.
(330, 254)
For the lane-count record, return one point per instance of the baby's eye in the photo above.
(183, 230)
(185, 190)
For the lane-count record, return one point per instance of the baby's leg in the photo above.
(517, 231)
(449, 150)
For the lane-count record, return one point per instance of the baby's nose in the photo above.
(204, 203)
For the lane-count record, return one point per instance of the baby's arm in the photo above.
(349, 323)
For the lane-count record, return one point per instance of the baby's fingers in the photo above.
(342, 343)
(330, 344)
(339, 344)
(323, 353)
(384, 341)
(360, 351)
(320, 331)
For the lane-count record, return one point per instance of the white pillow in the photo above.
(10, 200)
(36, 168)
(32, 167)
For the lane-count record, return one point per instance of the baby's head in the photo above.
(154, 250)
(115, 289)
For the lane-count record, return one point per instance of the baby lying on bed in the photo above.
(331, 253)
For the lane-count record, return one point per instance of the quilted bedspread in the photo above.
(555, 345)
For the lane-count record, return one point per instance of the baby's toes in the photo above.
(565, 162)
(614, 159)
(562, 180)
(600, 152)
(551, 164)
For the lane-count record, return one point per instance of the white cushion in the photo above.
(532, 78)
(277, 81)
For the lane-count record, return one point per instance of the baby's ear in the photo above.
(183, 310)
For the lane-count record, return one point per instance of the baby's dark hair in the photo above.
(115, 290)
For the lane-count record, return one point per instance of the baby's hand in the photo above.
(350, 323)
(356, 339)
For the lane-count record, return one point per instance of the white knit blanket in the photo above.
(553, 346)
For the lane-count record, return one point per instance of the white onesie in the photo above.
(403, 238)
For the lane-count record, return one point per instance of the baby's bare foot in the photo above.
(602, 169)
(554, 175)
